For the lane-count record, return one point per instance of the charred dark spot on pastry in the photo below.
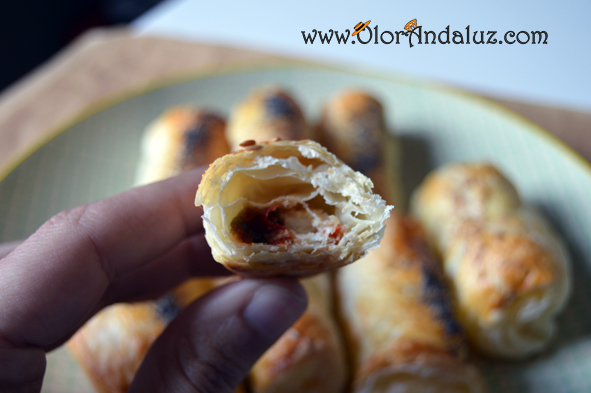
(199, 134)
(280, 105)
(168, 307)
(255, 225)
(199, 140)
(368, 148)
(436, 295)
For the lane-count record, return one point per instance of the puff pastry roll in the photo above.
(399, 320)
(353, 127)
(310, 356)
(267, 114)
(182, 138)
(112, 345)
(288, 208)
(509, 269)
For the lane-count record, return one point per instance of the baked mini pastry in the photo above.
(111, 345)
(288, 208)
(394, 304)
(399, 321)
(309, 357)
(182, 138)
(510, 271)
(353, 127)
(267, 114)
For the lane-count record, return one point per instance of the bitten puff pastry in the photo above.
(309, 357)
(267, 114)
(288, 208)
(399, 320)
(509, 269)
(353, 128)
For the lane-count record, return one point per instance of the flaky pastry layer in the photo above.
(248, 195)
(510, 271)
(399, 320)
(310, 356)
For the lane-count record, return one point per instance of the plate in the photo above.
(97, 156)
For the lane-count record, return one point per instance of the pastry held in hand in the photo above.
(509, 269)
(288, 208)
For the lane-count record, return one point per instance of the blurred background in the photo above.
(33, 30)
(554, 74)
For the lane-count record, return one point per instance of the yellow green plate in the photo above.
(97, 157)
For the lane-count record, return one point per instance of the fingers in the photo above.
(213, 343)
(191, 258)
(6, 248)
(55, 279)
(21, 370)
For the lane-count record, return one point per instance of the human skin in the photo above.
(136, 246)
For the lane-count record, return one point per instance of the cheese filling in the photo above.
(279, 225)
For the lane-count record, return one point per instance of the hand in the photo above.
(136, 246)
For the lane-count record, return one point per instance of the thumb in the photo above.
(213, 343)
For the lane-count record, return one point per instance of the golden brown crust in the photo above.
(182, 138)
(327, 215)
(399, 318)
(267, 114)
(477, 191)
(511, 257)
(394, 303)
(508, 268)
(193, 289)
(310, 356)
(112, 345)
(353, 127)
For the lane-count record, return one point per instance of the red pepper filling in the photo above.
(254, 225)
(337, 235)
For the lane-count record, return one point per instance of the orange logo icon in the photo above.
(360, 26)
(410, 26)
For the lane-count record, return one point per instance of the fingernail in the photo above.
(274, 308)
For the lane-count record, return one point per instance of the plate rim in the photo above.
(201, 73)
